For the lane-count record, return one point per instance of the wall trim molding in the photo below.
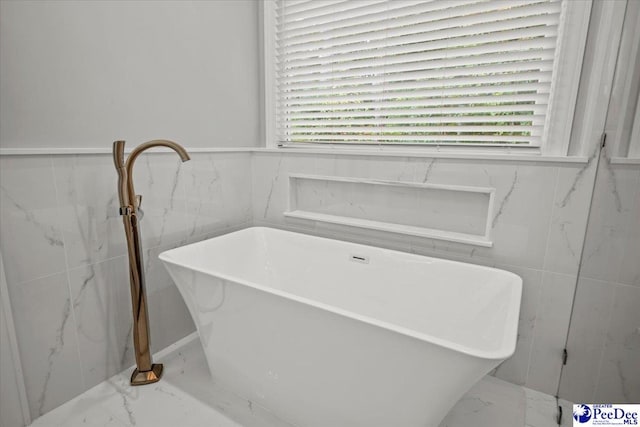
(429, 154)
(71, 151)
(369, 152)
(625, 160)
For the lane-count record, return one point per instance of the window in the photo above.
(424, 72)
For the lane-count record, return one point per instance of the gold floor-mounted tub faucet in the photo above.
(146, 371)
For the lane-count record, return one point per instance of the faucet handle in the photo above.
(139, 207)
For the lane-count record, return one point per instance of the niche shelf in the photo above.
(452, 213)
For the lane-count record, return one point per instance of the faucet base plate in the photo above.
(147, 377)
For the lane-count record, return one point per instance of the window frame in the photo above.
(558, 124)
(634, 142)
(596, 82)
(623, 118)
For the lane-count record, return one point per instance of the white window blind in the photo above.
(414, 72)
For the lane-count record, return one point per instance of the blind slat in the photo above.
(442, 73)
(367, 14)
(413, 120)
(309, 8)
(345, 130)
(455, 46)
(488, 22)
(419, 139)
(492, 79)
(446, 93)
(497, 58)
(407, 103)
(367, 42)
(536, 109)
(345, 10)
(438, 55)
(495, 10)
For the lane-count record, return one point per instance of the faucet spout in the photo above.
(129, 193)
(159, 143)
(146, 371)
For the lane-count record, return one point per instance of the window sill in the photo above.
(509, 155)
(625, 161)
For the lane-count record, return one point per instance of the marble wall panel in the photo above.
(46, 331)
(66, 264)
(32, 241)
(604, 340)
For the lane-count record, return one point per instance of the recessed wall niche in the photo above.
(447, 212)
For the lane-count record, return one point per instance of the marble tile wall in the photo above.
(537, 226)
(604, 341)
(11, 413)
(65, 257)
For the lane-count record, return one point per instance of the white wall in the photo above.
(83, 74)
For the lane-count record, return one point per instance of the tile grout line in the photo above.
(124, 255)
(603, 346)
(535, 327)
(553, 210)
(102, 261)
(24, 282)
(66, 262)
(597, 155)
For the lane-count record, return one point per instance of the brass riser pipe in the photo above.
(146, 372)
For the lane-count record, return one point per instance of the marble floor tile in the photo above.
(187, 397)
(491, 403)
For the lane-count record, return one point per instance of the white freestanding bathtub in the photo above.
(326, 333)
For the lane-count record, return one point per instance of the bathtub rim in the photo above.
(506, 350)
